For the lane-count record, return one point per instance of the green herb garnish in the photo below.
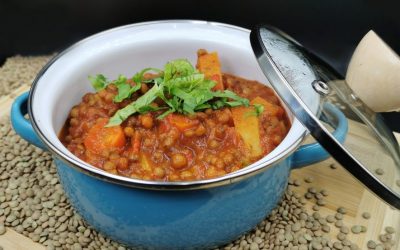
(98, 82)
(182, 88)
(258, 110)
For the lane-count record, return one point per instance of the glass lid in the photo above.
(312, 89)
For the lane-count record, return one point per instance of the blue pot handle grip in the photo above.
(21, 125)
(314, 152)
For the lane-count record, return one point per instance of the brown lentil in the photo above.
(379, 171)
(366, 215)
(356, 229)
(309, 179)
(390, 230)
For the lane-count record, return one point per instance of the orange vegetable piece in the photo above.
(247, 126)
(209, 65)
(100, 138)
(181, 122)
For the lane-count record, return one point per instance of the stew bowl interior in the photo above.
(126, 50)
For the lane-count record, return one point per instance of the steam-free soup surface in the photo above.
(178, 147)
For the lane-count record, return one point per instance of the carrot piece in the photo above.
(269, 108)
(247, 126)
(209, 65)
(181, 122)
(100, 138)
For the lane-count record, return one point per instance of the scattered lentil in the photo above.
(330, 218)
(339, 216)
(379, 171)
(309, 179)
(342, 210)
(316, 208)
(337, 245)
(382, 238)
(371, 244)
(339, 223)
(324, 192)
(308, 195)
(341, 236)
(321, 202)
(389, 230)
(344, 230)
(363, 229)
(356, 229)
(326, 228)
(312, 190)
(366, 215)
(333, 166)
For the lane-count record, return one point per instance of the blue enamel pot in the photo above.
(150, 214)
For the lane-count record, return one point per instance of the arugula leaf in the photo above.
(98, 82)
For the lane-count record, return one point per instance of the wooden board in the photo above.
(344, 190)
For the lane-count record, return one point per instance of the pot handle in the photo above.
(314, 152)
(21, 125)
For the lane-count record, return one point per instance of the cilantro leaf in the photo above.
(98, 82)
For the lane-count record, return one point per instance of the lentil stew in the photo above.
(177, 146)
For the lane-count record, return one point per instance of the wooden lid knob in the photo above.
(374, 74)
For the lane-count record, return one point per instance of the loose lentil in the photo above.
(371, 244)
(379, 171)
(363, 229)
(390, 230)
(333, 166)
(339, 216)
(344, 230)
(342, 210)
(341, 236)
(309, 179)
(366, 215)
(356, 229)
(382, 238)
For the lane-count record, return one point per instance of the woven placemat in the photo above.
(33, 202)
